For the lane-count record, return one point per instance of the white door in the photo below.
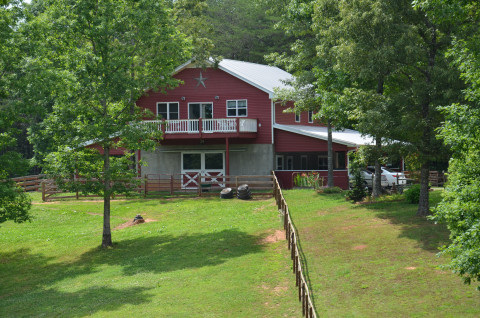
(199, 167)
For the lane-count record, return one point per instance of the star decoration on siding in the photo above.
(201, 80)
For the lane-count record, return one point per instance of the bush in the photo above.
(332, 190)
(358, 192)
(412, 195)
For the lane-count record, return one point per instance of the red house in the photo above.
(225, 120)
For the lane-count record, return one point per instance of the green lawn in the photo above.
(199, 258)
(376, 260)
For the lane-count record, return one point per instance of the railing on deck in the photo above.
(304, 295)
(206, 125)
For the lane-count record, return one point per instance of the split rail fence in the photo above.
(304, 294)
(174, 185)
(29, 183)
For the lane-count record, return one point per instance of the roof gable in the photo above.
(263, 77)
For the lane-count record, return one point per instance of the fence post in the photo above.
(43, 191)
(171, 184)
(145, 183)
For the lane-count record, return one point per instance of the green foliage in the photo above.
(331, 190)
(105, 55)
(460, 207)
(14, 203)
(412, 194)
(309, 179)
(243, 30)
(357, 193)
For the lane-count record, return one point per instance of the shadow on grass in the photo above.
(430, 236)
(169, 253)
(31, 277)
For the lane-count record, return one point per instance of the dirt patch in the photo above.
(276, 290)
(263, 207)
(346, 228)
(132, 223)
(411, 268)
(360, 247)
(280, 289)
(279, 235)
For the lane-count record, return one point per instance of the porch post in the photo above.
(227, 157)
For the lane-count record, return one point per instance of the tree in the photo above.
(316, 85)
(14, 203)
(460, 207)
(243, 30)
(400, 76)
(105, 54)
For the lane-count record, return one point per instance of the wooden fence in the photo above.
(29, 183)
(304, 295)
(174, 185)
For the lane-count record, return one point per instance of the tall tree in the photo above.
(243, 30)
(316, 86)
(14, 204)
(394, 54)
(460, 206)
(106, 53)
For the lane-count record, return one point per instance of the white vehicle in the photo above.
(368, 179)
(393, 177)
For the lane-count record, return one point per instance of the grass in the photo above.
(200, 258)
(376, 260)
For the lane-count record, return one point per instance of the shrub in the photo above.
(358, 192)
(412, 195)
(311, 180)
(332, 190)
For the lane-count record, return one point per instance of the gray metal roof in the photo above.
(263, 77)
(348, 137)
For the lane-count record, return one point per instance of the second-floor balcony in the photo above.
(208, 126)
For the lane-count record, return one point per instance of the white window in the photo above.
(237, 108)
(168, 111)
(310, 116)
(297, 117)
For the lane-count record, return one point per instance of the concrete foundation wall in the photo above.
(246, 159)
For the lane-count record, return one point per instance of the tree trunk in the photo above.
(107, 233)
(377, 184)
(423, 203)
(330, 182)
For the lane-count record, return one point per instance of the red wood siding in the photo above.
(285, 178)
(221, 84)
(289, 142)
(289, 118)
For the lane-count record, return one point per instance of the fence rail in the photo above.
(29, 183)
(304, 294)
(174, 185)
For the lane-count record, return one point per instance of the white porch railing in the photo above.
(220, 125)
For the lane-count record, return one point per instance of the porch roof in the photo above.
(347, 137)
